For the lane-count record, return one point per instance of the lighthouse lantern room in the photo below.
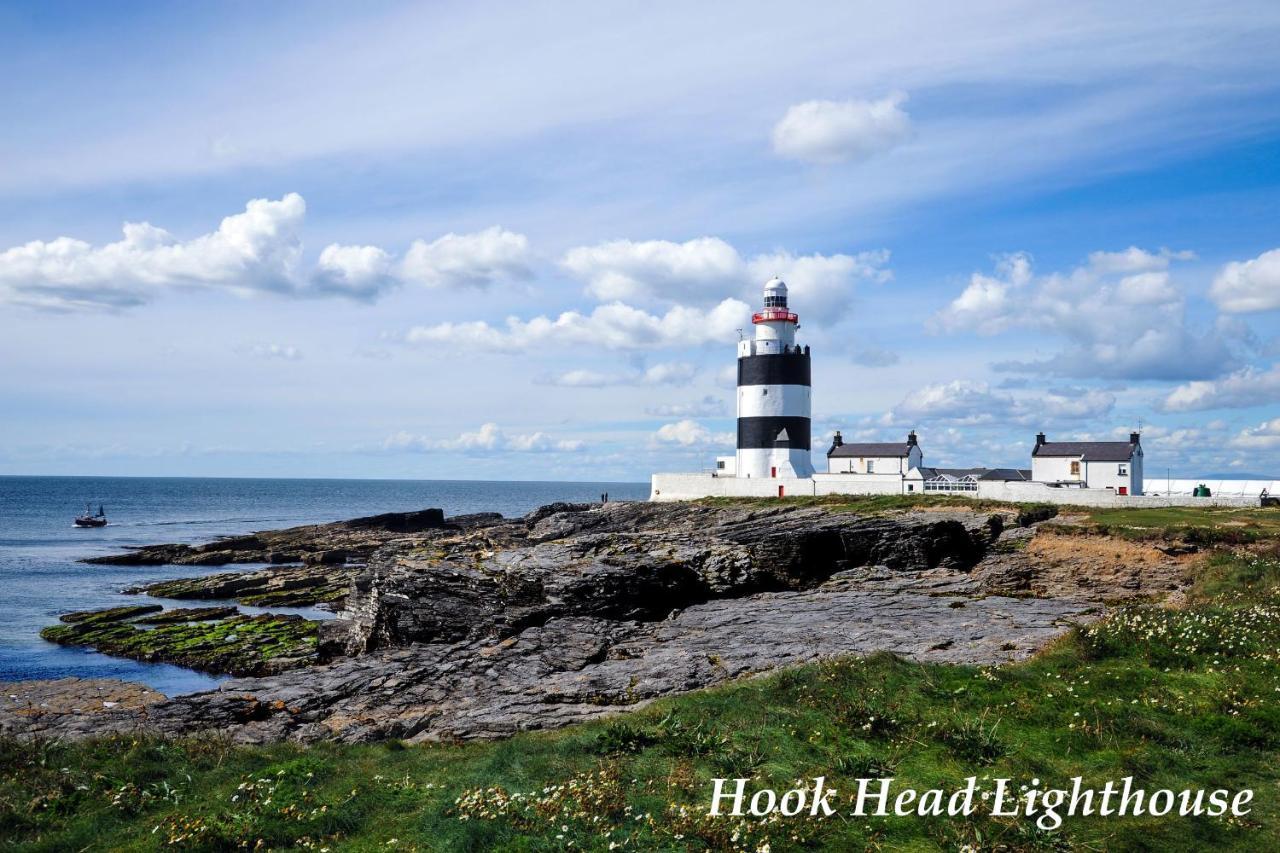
(773, 393)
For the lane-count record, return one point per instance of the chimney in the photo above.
(1133, 437)
(911, 439)
(1039, 439)
(836, 441)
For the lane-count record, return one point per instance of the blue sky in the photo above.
(474, 240)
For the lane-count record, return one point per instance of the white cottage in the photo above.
(1113, 465)
(891, 458)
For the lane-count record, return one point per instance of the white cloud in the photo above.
(624, 269)
(468, 260)
(967, 402)
(615, 326)
(1116, 325)
(1264, 436)
(257, 250)
(836, 131)
(958, 400)
(690, 433)
(1135, 260)
(1246, 387)
(703, 270)
(669, 374)
(1245, 286)
(489, 438)
(360, 272)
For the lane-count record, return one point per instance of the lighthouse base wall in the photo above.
(687, 487)
(772, 463)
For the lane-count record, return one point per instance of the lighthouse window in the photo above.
(764, 392)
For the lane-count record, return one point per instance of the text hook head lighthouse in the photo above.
(774, 393)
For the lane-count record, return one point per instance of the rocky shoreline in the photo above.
(480, 626)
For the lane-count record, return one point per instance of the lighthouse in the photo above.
(774, 393)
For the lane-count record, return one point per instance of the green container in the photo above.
(1202, 491)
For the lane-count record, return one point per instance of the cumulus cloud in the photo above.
(1120, 315)
(827, 132)
(1246, 286)
(701, 271)
(360, 272)
(1264, 436)
(967, 402)
(626, 269)
(468, 260)
(691, 434)
(614, 326)
(258, 250)
(489, 438)
(1246, 387)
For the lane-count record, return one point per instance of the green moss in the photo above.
(238, 645)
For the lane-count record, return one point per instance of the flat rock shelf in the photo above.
(480, 626)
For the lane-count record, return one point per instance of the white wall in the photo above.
(1054, 469)
(1103, 475)
(675, 487)
(1224, 488)
(895, 465)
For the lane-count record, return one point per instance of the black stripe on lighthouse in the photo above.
(759, 433)
(781, 369)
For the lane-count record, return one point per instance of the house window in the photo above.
(871, 467)
(1075, 469)
(720, 464)
(1123, 470)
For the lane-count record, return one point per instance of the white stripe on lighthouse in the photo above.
(760, 401)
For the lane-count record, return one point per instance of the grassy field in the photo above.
(1173, 698)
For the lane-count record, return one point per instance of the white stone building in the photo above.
(1115, 465)
(881, 459)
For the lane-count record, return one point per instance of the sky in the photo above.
(502, 241)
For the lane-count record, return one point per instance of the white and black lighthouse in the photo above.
(774, 393)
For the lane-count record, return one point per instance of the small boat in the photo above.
(91, 520)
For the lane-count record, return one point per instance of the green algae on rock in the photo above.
(235, 645)
(282, 586)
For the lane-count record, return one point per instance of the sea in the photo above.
(41, 575)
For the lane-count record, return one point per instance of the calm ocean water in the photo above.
(39, 548)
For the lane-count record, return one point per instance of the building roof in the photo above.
(977, 473)
(1087, 451)
(885, 448)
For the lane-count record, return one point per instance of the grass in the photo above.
(1205, 526)
(1173, 698)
